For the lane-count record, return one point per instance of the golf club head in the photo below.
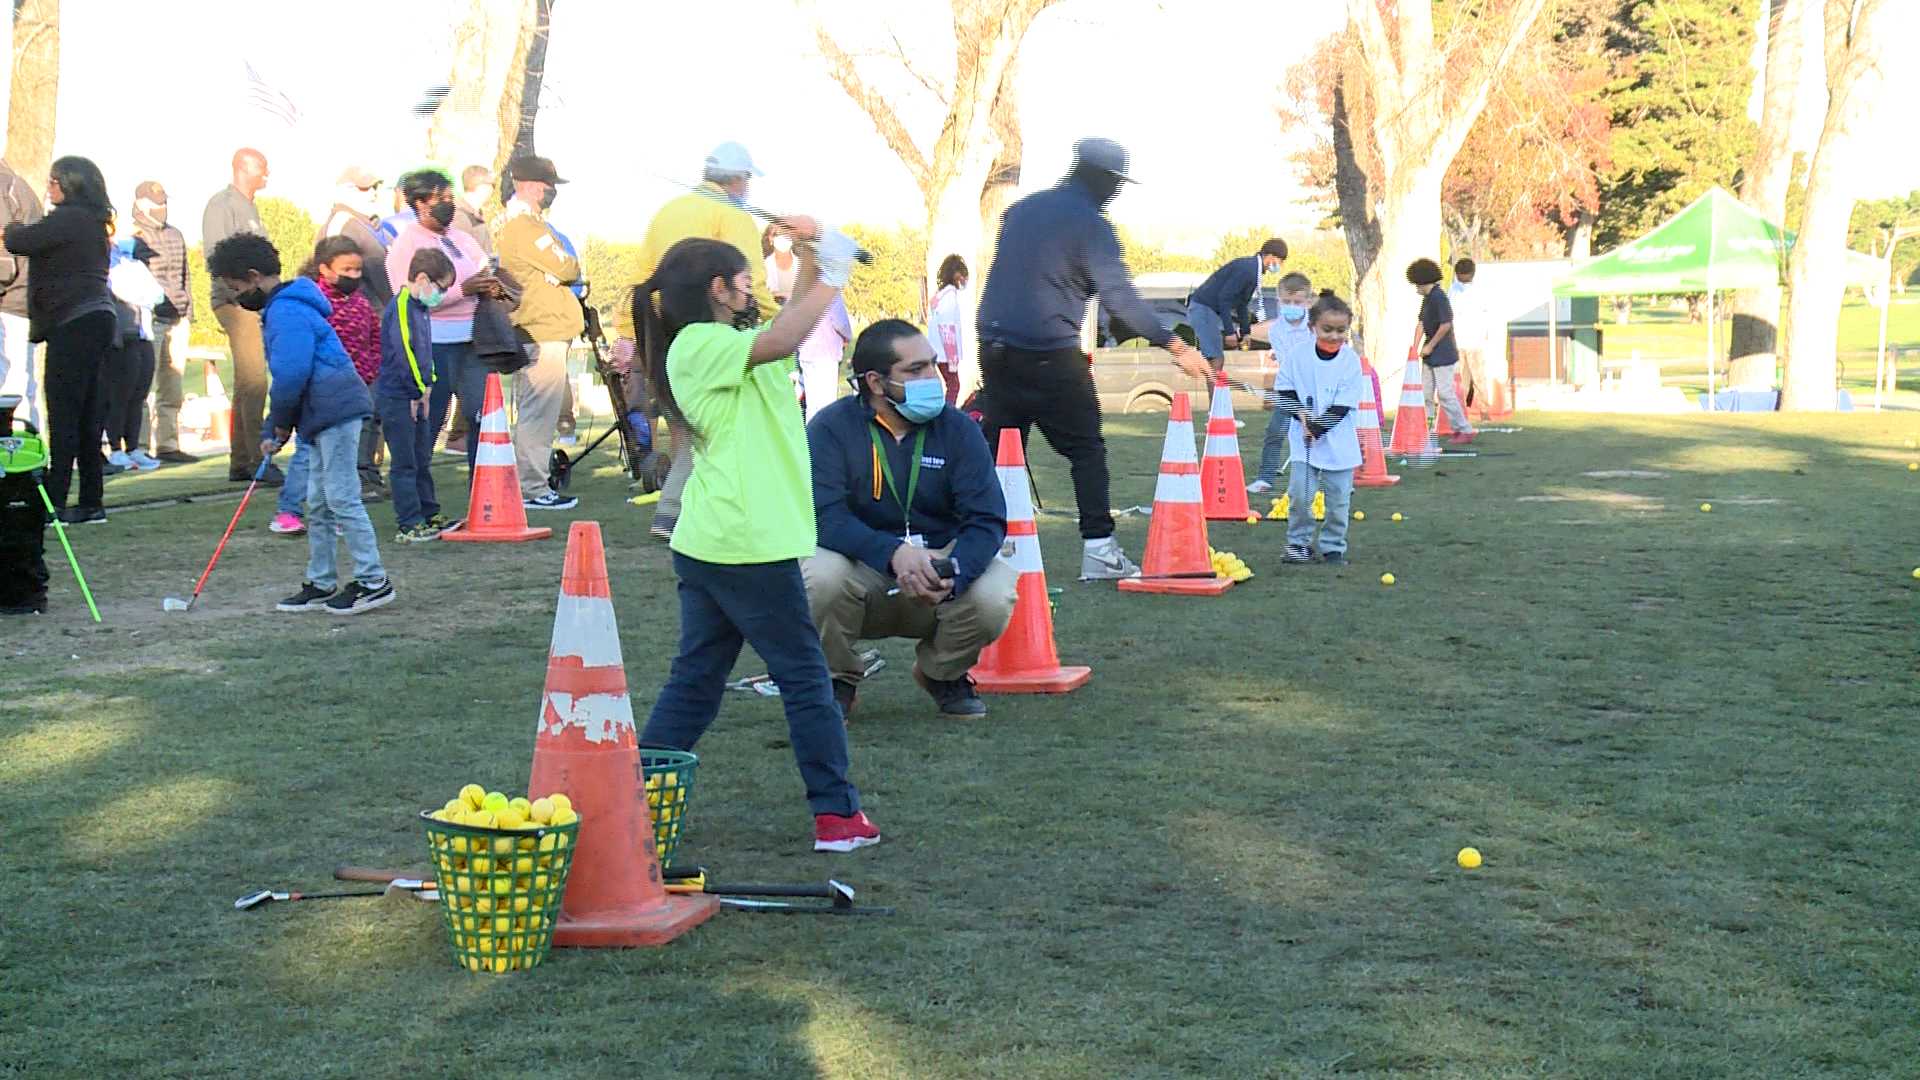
(841, 892)
(253, 899)
(173, 603)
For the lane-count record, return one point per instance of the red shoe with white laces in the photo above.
(839, 832)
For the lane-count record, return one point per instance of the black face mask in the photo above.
(547, 196)
(346, 286)
(441, 213)
(254, 299)
(747, 318)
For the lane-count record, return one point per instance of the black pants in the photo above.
(23, 544)
(77, 405)
(1054, 390)
(129, 377)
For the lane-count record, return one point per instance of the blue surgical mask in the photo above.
(431, 298)
(924, 399)
(1292, 312)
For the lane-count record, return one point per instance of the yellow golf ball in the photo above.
(1396, 515)
(1253, 519)
(1916, 573)
(1386, 579)
(1469, 858)
(1913, 466)
(1706, 508)
(1359, 515)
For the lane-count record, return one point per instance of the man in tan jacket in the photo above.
(550, 314)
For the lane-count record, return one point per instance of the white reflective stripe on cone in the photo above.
(495, 422)
(1013, 485)
(493, 453)
(1179, 446)
(1177, 488)
(584, 627)
(1223, 446)
(604, 717)
(1026, 554)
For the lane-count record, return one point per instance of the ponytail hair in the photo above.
(1328, 303)
(326, 251)
(675, 297)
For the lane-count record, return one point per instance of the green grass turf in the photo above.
(1683, 741)
(1660, 332)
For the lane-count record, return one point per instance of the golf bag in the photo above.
(632, 421)
(23, 518)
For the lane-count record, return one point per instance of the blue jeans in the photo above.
(1303, 481)
(1273, 445)
(763, 605)
(333, 495)
(1209, 332)
(456, 374)
(293, 493)
(409, 460)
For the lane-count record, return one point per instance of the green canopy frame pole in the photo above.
(61, 530)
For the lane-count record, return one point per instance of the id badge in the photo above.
(915, 540)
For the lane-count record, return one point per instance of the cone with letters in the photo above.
(1373, 462)
(1223, 479)
(1177, 559)
(585, 746)
(1023, 660)
(494, 513)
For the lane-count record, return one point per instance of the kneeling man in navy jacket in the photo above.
(911, 520)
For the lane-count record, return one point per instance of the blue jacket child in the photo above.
(314, 385)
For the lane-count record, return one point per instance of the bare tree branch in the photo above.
(933, 85)
(885, 120)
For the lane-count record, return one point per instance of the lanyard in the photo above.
(913, 474)
(406, 341)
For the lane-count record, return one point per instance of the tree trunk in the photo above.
(526, 106)
(1413, 208)
(1816, 269)
(32, 109)
(1580, 240)
(1754, 313)
(1002, 186)
(479, 121)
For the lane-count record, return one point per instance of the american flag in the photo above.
(270, 100)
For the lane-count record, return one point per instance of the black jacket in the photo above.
(69, 252)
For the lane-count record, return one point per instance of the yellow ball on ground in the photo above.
(1469, 858)
(1916, 573)
(473, 795)
(1359, 515)
(1253, 519)
(1396, 515)
(1386, 579)
(1913, 466)
(1706, 508)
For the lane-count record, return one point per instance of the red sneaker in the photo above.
(838, 832)
(1465, 439)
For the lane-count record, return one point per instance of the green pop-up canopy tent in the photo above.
(1717, 242)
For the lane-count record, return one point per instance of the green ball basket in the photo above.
(669, 782)
(499, 890)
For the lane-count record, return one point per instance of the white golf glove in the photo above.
(833, 252)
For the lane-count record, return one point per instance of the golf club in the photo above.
(775, 907)
(61, 531)
(839, 892)
(174, 603)
(864, 257)
(265, 896)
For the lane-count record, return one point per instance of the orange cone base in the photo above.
(1374, 481)
(1177, 586)
(655, 925)
(510, 536)
(1058, 681)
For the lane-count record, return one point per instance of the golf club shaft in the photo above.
(773, 907)
(862, 254)
(818, 892)
(61, 530)
(224, 537)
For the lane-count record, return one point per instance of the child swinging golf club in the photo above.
(1325, 444)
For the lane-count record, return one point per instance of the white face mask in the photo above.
(480, 196)
(783, 244)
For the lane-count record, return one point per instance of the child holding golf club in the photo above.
(1319, 387)
(747, 517)
(402, 392)
(315, 391)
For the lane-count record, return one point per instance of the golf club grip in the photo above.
(811, 909)
(377, 875)
(819, 891)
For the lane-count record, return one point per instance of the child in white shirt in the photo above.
(1287, 334)
(1320, 387)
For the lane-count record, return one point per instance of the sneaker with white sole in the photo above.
(143, 461)
(357, 598)
(310, 598)
(119, 460)
(551, 500)
(1104, 561)
(1297, 553)
(843, 832)
(1259, 487)
(286, 525)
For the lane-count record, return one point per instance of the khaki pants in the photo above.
(249, 388)
(538, 390)
(1438, 383)
(1473, 379)
(849, 602)
(160, 429)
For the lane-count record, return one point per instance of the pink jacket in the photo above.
(457, 309)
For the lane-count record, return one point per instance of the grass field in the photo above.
(1661, 332)
(1684, 742)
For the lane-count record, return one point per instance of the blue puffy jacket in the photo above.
(314, 384)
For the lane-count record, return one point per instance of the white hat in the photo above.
(731, 157)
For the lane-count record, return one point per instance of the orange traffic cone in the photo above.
(1177, 559)
(1023, 660)
(1410, 435)
(1223, 479)
(494, 512)
(1493, 401)
(1373, 463)
(584, 745)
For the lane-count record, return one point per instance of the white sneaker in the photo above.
(119, 460)
(1104, 561)
(143, 460)
(1259, 487)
